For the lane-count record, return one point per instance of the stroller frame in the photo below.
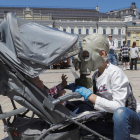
(26, 50)
(47, 103)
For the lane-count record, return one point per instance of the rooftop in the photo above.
(56, 13)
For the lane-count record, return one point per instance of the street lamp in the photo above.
(134, 24)
(97, 26)
(121, 30)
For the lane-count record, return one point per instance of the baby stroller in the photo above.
(26, 50)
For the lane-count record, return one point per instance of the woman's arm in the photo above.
(120, 90)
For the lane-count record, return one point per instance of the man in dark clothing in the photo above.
(125, 55)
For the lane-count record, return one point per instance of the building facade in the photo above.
(128, 14)
(76, 21)
(133, 33)
(131, 17)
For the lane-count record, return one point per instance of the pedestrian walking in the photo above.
(125, 55)
(112, 48)
(134, 55)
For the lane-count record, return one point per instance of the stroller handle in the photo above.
(48, 103)
(67, 97)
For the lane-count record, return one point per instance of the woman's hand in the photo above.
(64, 80)
(83, 91)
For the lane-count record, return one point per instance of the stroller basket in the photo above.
(37, 127)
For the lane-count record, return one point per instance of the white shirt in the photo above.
(134, 52)
(112, 45)
(112, 89)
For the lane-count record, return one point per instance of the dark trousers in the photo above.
(100, 126)
(81, 105)
(135, 63)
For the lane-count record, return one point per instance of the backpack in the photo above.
(130, 102)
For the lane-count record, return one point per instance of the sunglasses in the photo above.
(109, 36)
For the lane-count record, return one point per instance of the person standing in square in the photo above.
(134, 55)
(112, 48)
(125, 55)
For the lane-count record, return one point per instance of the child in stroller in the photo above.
(57, 91)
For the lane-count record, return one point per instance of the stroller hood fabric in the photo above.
(32, 47)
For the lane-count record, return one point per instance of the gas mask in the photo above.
(90, 58)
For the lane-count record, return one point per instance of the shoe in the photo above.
(128, 68)
(124, 68)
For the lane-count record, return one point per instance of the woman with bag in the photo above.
(134, 55)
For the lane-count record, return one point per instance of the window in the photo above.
(94, 30)
(127, 12)
(104, 31)
(134, 34)
(137, 34)
(128, 34)
(87, 31)
(79, 31)
(64, 29)
(119, 31)
(72, 31)
(137, 42)
(121, 12)
(119, 44)
(128, 42)
(122, 31)
(80, 43)
(112, 31)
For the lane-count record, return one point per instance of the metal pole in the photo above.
(126, 34)
(97, 26)
(121, 32)
(5, 125)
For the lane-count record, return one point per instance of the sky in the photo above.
(104, 5)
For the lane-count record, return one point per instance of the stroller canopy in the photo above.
(31, 47)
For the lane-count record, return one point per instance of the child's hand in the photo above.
(64, 80)
(61, 93)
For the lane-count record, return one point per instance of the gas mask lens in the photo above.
(85, 55)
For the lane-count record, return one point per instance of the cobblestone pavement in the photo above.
(53, 77)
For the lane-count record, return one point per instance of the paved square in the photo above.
(53, 77)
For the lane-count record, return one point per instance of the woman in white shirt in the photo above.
(134, 55)
(112, 90)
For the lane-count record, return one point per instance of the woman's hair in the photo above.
(134, 44)
(124, 42)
